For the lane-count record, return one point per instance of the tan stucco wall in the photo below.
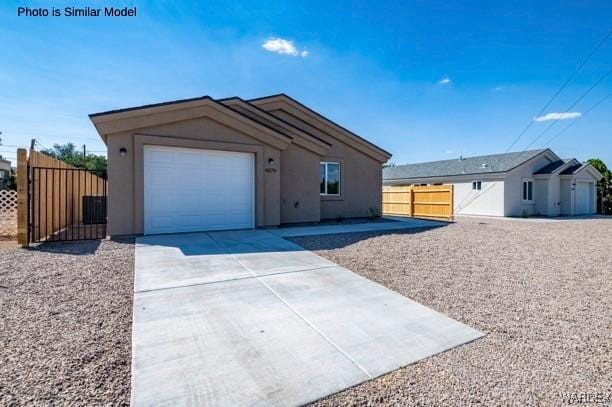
(125, 173)
(299, 181)
(286, 166)
(361, 176)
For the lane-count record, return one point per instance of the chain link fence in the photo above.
(8, 214)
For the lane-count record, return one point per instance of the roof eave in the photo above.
(301, 138)
(495, 174)
(379, 153)
(109, 122)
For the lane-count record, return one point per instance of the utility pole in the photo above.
(84, 152)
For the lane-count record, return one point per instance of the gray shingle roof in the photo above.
(484, 164)
(573, 169)
(548, 169)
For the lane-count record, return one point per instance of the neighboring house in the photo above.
(5, 172)
(535, 182)
(206, 164)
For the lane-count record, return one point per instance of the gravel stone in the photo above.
(542, 292)
(65, 330)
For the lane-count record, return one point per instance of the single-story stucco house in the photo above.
(535, 182)
(205, 164)
(5, 172)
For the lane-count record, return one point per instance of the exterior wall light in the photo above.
(123, 151)
(271, 161)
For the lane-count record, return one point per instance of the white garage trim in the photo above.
(188, 190)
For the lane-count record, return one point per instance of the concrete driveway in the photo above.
(249, 318)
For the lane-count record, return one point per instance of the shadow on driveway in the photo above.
(339, 241)
(76, 247)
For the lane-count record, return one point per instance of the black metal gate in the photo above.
(66, 204)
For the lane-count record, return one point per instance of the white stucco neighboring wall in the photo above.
(578, 191)
(513, 194)
(554, 195)
(590, 194)
(541, 189)
(501, 194)
(566, 194)
(548, 202)
(488, 201)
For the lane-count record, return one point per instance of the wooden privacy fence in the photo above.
(431, 201)
(57, 201)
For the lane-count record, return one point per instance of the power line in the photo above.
(77, 138)
(11, 145)
(571, 107)
(461, 205)
(574, 122)
(561, 89)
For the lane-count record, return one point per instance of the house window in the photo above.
(1, 174)
(476, 185)
(330, 178)
(527, 190)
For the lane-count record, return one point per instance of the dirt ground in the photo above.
(65, 330)
(542, 292)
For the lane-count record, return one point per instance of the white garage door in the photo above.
(583, 198)
(190, 190)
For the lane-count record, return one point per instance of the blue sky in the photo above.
(377, 68)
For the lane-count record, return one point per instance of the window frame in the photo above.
(477, 183)
(326, 163)
(525, 190)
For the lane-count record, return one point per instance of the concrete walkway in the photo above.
(246, 317)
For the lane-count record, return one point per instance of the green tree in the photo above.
(12, 182)
(69, 154)
(604, 186)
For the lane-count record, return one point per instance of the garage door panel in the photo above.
(185, 159)
(161, 176)
(187, 206)
(238, 184)
(161, 221)
(216, 205)
(217, 161)
(216, 220)
(186, 177)
(160, 156)
(240, 218)
(190, 190)
(583, 198)
(218, 188)
(161, 204)
(190, 221)
(237, 203)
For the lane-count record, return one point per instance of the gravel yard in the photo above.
(66, 323)
(542, 292)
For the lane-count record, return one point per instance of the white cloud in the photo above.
(283, 47)
(558, 116)
(449, 151)
(444, 81)
(499, 89)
